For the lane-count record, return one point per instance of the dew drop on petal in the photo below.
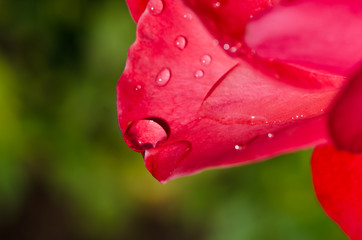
(205, 60)
(199, 74)
(163, 77)
(216, 4)
(145, 134)
(187, 16)
(138, 87)
(233, 49)
(239, 147)
(215, 42)
(156, 7)
(270, 135)
(256, 120)
(181, 42)
(226, 46)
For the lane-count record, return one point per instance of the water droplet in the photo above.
(205, 60)
(145, 134)
(215, 42)
(199, 74)
(181, 42)
(188, 16)
(226, 46)
(251, 16)
(155, 7)
(256, 120)
(233, 49)
(216, 4)
(270, 135)
(163, 77)
(138, 87)
(239, 147)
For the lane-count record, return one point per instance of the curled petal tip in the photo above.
(162, 162)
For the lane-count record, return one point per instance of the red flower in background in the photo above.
(221, 83)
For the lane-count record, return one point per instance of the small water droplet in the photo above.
(270, 135)
(205, 60)
(138, 87)
(145, 134)
(215, 42)
(199, 74)
(251, 16)
(155, 7)
(239, 147)
(256, 120)
(226, 46)
(187, 16)
(181, 42)
(233, 49)
(163, 77)
(216, 4)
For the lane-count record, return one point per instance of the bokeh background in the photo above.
(65, 172)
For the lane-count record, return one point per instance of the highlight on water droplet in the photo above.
(163, 77)
(155, 7)
(187, 16)
(205, 60)
(181, 42)
(270, 135)
(226, 46)
(199, 74)
(146, 133)
(257, 120)
(239, 147)
(216, 4)
(138, 87)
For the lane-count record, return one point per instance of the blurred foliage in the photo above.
(65, 172)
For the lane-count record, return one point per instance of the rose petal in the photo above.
(337, 179)
(136, 8)
(177, 76)
(318, 34)
(226, 19)
(346, 116)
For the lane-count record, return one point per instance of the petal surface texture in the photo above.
(337, 179)
(207, 108)
(317, 34)
(136, 8)
(345, 121)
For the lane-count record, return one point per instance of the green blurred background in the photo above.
(65, 172)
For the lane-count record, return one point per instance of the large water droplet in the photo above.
(163, 77)
(205, 60)
(199, 74)
(181, 42)
(145, 134)
(156, 7)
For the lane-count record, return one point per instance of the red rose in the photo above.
(221, 83)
